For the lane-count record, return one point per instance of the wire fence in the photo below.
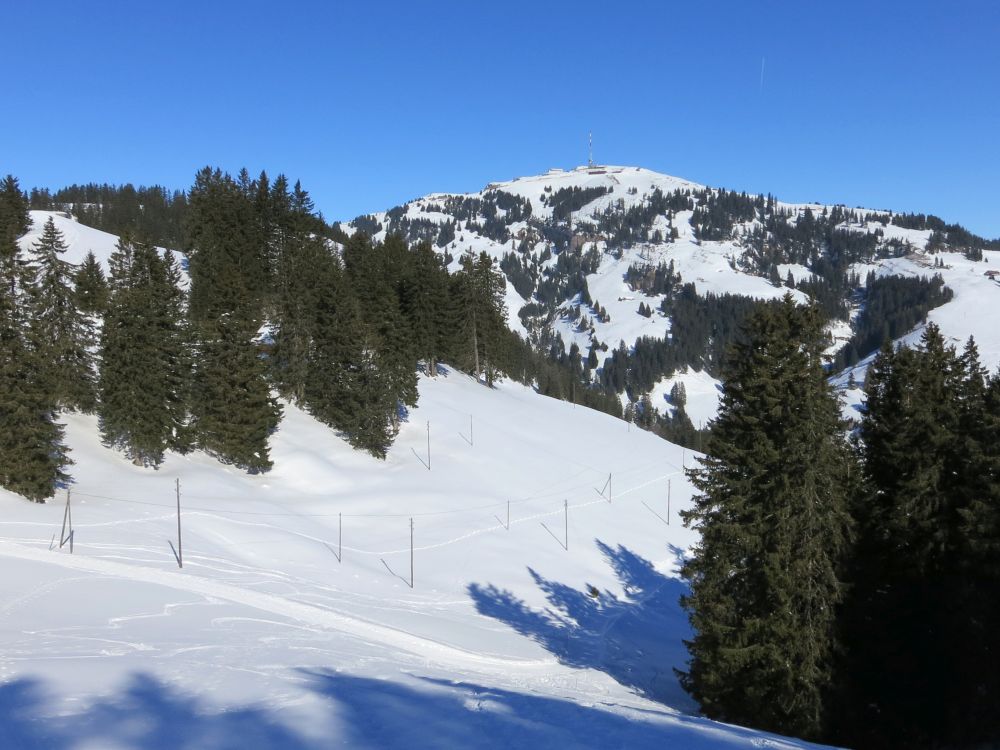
(220, 507)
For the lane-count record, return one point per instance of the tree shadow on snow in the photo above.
(422, 712)
(146, 714)
(637, 640)
(354, 712)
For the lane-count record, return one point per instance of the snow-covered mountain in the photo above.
(615, 218)
(303, 616)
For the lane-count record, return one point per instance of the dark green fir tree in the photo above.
(61, 333)
(921, 652)
(33, 455)
(145, 364)
(232, 410)
(91, 286)
(346, 386)
(772, 510)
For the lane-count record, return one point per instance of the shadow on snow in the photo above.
(637, 640)
(356, 712)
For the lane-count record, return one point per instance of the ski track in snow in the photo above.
(313, 616)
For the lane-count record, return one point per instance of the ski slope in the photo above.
(292, 622)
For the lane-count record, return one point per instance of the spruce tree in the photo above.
(378, 274)
(921, 655)
(33, 455)
(91, 286)
(477, 292)
(346, 387)
(299, 257)
(144, 374)
(62, 335)
(974, 717)
(772, 512)
(425, 301)
(232, 410)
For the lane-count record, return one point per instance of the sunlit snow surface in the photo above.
(265, 640)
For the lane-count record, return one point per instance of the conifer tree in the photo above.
(425, 301)
(974, 700)
(378, 275)
(232, 410)
(145, 368)
(176, 352)
(91, 286)
(62, 335)
(346, 386)
(921, 655)
(299, 259)
(772, 512)
(14, 222)
(478, 296)
(32, 453)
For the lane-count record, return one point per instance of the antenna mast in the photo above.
(590, 152)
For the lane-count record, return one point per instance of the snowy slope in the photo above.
(265, 634)
(79, 238)
(293, 622)
(971, 312)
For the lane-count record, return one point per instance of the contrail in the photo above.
(762, 74)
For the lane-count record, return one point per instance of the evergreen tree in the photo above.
(380, 275)
(32, 453)
(346, 386)
(299, 261)
(61, 334)
(772, 512)
(232, 410)
(919, 627)
(145, 367)
(14, 222)
(91, 286)
(478, 291)
(425, 304)
(974, 718)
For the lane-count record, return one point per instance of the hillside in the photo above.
(264, 635)
(581, 249)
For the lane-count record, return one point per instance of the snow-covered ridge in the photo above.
(80, 239)
(713, 267)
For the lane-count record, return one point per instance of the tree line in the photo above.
(183, 353)
(845, 590)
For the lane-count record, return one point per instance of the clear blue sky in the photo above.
(881, 104)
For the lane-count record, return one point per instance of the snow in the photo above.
(703, 395)
(969, 313)
(798, 271)
(79, 238)
(265, 639)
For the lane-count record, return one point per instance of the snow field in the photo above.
(498, 641)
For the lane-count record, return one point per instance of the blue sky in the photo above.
(881, 104)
